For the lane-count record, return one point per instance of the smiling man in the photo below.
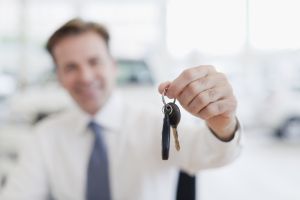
(107, 148)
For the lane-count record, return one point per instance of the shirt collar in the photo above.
(109, 117)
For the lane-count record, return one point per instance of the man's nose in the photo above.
(85, 74)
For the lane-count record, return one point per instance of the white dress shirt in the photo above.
(56, 161)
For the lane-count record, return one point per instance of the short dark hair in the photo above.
(73, 27)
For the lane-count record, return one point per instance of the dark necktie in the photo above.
(98, 170)
(186, 188)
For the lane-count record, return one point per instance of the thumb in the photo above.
(163, 86)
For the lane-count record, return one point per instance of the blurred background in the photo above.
(255, 42)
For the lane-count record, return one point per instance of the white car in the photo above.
(282, 113)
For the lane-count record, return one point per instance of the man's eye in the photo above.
(95, 62)
(70, 67)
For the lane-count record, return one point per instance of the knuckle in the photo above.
(222, 76)
(210, 109)
(204, 114)
(192, 109)
(212, 94)
(202, 99)
(213, 109)
(192, 88)
(203, 82)
(220, 108)
(188, 74)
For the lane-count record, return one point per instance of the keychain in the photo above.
(172, 117)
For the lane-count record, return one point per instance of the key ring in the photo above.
(166, 105)
(163, 97)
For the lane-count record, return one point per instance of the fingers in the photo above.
(196, 87)
(222, 107)
(203, 92)
(186, 77)
(203, 99)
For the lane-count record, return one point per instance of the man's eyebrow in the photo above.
(69, 64)
(95, 58)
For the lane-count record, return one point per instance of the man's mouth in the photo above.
(87, 92)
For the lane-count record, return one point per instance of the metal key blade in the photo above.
(175, 134)
(175, 117)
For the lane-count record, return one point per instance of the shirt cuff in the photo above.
(236, 129)
(234, 140)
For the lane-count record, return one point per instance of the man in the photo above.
(110, 149)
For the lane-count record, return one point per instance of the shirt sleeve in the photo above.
(28, 181)
(201, 149)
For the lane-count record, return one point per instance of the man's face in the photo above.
(85, 69)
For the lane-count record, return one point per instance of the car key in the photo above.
(175, 116)
(165, 142)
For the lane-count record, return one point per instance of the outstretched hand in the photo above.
(207, 94)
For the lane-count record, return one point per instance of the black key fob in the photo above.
(165, 142)
(175, 115)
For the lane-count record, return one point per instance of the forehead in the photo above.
(80, 46)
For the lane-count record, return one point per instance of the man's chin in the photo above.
(92, 110)
(90, 106)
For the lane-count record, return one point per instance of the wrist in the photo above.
(225, 133)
